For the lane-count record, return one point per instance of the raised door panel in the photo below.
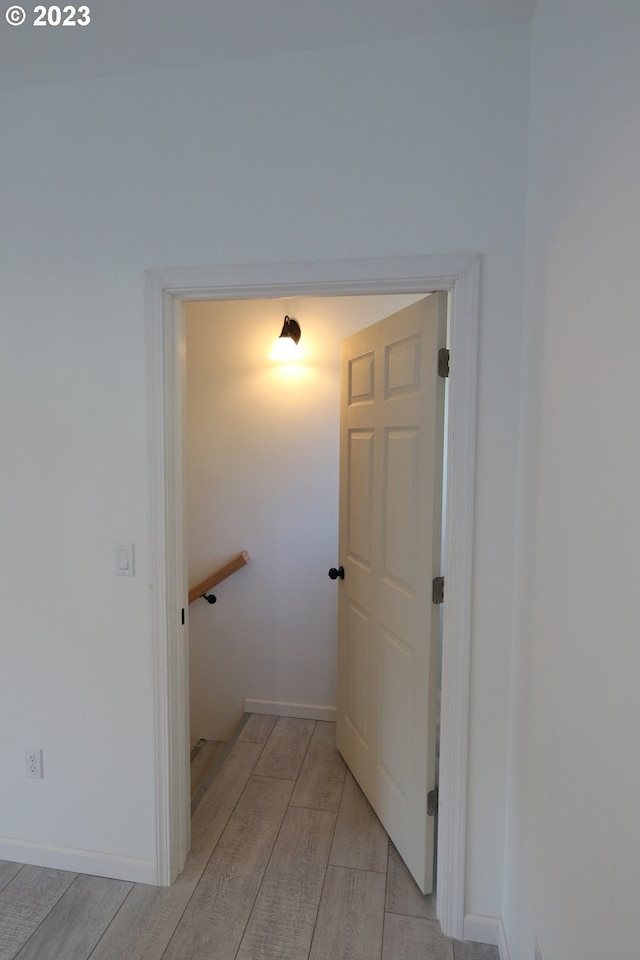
(401, 490)
(357, 671)
(402, 367)
(395, 714)
(361, 382)
(360, 468)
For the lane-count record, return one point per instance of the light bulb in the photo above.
(284, 348)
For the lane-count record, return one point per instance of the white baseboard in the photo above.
(78, 861)
(486, 930)
(277, 708)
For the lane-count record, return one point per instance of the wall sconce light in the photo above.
(285, 346)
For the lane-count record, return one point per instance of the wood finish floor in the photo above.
(288, 862)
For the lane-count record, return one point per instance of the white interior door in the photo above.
(392, 424)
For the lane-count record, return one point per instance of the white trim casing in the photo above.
(503, 946)
(166, 290)
(155, 397)
(456, 635)
(165, 335)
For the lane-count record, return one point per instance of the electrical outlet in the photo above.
(539, 954)
(33, 764)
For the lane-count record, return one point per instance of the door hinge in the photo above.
(432, 802)
(443, 362)
(437, 590)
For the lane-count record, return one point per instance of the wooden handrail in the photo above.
(219, 575)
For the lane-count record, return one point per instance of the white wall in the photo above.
(262, 474)
(410, 147)
(573, 854)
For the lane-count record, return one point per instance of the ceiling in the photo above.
(131, 36)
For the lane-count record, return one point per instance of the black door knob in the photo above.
(336, 574)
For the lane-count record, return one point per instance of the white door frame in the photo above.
(166, 291)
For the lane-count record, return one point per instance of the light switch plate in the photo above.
(125, 560)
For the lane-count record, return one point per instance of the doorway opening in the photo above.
(167, 291)
(262, 452)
